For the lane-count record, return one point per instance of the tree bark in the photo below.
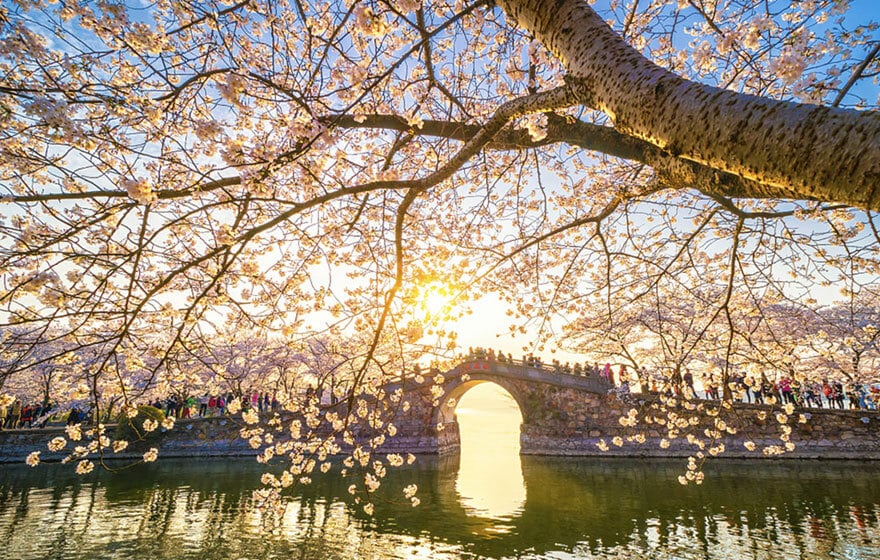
(814, 152)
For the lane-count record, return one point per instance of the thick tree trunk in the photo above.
(811, 151)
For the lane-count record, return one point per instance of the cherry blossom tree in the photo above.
(844, 338)
(41, 383)
(175, 171)
(245, 362)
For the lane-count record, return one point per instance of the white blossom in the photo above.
(250, 416)
(74, 432)
(140, 191)
(57, 444)
(33, 459)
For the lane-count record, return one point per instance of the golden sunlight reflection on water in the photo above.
(490, 481)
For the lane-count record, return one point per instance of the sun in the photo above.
(436, 300)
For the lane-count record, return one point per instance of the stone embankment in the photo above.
(815, 433)
(199, 437)
(566, 424)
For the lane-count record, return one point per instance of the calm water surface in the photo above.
(488, 505)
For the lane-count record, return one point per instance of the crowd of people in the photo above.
(556, 366)
(810, 394)
(214, 405)
(785, 389)
(20, 415)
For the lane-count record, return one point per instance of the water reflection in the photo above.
(575, 509)
(490, 482)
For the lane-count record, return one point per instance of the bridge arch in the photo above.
(445, 414)
(449, 435)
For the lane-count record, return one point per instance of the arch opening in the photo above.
(489, 482)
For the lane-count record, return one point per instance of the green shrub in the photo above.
(132, 429)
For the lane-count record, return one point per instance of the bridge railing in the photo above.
(533, 371)
(554, 368)
(518, 369)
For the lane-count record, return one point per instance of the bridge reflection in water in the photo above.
(490, 481)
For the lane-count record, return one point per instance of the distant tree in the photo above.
(845, 338)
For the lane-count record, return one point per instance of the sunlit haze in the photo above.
(490, 481)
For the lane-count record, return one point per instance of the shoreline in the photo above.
(218, 437)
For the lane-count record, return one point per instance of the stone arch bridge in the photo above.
(557, 408)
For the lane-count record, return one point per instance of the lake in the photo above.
(486, 503)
